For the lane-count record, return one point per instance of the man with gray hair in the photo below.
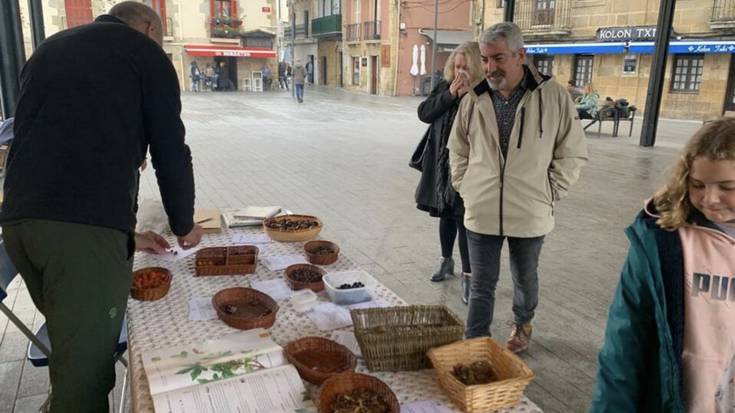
(68, 220)
(516, 147)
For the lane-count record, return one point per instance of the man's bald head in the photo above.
(141, 18)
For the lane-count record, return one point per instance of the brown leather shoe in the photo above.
(519, 338)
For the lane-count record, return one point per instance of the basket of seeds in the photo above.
(292, 228)
(355, 392)
(240, 259)
(245, 308)
(300, 276)
(321, 252)
(480, 375)
(318, 358)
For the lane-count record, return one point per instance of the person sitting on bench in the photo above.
(587, 107)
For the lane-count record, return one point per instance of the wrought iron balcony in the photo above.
(352, 32)
(327, 25)
(371, 30)
(225, 27)
(300, 31)
(723, 14)
(544, 17)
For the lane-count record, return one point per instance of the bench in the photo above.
(610, 114)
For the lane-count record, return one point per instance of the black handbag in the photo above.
(417, 159)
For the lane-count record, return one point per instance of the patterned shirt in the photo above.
(505, 112)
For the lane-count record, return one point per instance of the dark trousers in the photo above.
(78, 277)
(485, 262)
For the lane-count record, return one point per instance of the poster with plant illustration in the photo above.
(205, 362)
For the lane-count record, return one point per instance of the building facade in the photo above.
(610, 44)
(242, 35)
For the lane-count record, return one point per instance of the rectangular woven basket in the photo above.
(242, 259)
(512, 373)
(397, 338)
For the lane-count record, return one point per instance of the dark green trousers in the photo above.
(78, 277)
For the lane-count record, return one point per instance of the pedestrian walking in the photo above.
(434, 193)
(68, 216)
(299, 76)
(515, 149)
(670, 341)
(196, 77)
(282, 76)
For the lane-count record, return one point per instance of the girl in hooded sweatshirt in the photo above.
(670, 337)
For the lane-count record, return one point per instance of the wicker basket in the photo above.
(321, 259)
(397, 338)
(513, 375)
(155, 293)
(318, 358)
(315, 286)
(347, 382)
(292, 236)
(241, 259)
(243, 297)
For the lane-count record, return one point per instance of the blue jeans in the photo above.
(299, 92)
(485, 262)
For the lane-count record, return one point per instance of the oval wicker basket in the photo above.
(318, 358)
(295, 284)
(292, 236)
(512, 373)
(321, 259)
(347, 382)
(155, 293)
(245, 298)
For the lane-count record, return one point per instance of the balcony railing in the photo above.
(538, 17)
(723, 14)
(225, 27)
(327, 25)
(371, 30)
(352, 32)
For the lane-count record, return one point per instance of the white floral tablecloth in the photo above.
(166, 322)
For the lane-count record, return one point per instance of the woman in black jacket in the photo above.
(434, 193)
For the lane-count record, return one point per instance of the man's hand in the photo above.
(192, 238)
(150, 242)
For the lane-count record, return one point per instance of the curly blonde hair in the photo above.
(471, 53)
(714, 141)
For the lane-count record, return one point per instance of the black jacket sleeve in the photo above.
(165, 132)
(438, 102)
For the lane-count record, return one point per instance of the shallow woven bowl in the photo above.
(318, 358)
(324, 259)
(292, 236)
(315, 286)
(238, 295)
(347, 382)
(155, 293)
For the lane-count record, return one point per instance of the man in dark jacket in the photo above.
(81, 132)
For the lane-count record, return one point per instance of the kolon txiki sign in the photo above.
(626, 34)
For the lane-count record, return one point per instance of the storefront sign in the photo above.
(626, 34)
(265, 9)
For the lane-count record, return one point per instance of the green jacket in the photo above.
(589, 103)
(639, 369)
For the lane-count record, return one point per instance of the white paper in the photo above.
(329, 316)
(280, 262)
(347, 339)
(425, 406)
(250, 238)
(277, 289)
(376, 303)
(191, 365)
(176, 253)
(276, 390)
(201, 308)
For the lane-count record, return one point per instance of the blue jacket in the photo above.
(640, 360)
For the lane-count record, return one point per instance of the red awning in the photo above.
(228, 51)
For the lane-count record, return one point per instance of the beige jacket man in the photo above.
(515, 196)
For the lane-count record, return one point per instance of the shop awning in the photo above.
(228, 51)
(683, 46)
(448, 40)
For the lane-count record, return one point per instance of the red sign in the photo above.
(266, 9)
(229, 51)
